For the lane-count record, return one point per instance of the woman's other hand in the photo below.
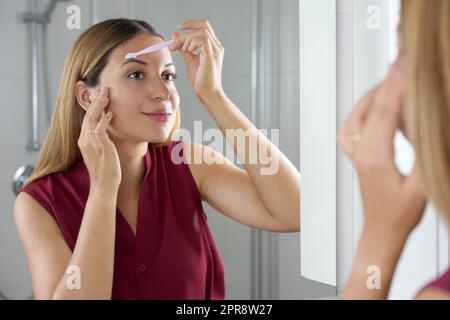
(393, 203)
(99, 152)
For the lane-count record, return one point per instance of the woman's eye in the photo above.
(170, 77)
(136, 75)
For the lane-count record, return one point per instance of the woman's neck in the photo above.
(132, 164)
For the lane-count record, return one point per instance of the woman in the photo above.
(109, 212)
(415, 93)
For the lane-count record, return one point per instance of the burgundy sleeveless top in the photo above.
(442, 283)
(173, 255)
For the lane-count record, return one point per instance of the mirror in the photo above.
(261, 74)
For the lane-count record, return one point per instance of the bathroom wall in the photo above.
(15, 123)
(14, 90)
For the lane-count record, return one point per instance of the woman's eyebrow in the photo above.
(134, 60)
(143, 62)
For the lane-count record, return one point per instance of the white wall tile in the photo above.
(289, 101)
(14, 278)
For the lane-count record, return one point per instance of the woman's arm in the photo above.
(49, 256)
(230, 190)
(393, 203)
(374, 267)
(277, 183)
(270, 192)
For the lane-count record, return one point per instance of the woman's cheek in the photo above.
(122, 101)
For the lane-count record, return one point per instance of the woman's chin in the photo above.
(156, 139)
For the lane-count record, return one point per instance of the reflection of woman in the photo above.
(418, 86)
(107, 198)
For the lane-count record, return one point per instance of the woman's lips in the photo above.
(159, 116)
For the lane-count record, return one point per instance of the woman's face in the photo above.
(140, 86)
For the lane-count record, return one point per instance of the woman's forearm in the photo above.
(275, 178)
(93, 254)
(376, 259)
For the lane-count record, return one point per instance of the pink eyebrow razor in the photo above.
(150, 49)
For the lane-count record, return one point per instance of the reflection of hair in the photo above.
(86, 60)
(426, 30)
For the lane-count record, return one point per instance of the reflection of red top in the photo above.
(442, 283)
(173, 255)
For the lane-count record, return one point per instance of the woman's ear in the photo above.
(84, 95)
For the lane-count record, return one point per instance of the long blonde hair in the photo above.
(425, 35)
(85, 61)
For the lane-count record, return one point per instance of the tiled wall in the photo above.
(14, 87)
(15, 122)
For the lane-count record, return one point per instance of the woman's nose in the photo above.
(160, 92)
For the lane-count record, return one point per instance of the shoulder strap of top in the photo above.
(442, 282)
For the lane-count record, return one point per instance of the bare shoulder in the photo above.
(30, 216)
(197, 152)
(26, 206)
(47, 252)
(431, 293)
(201, 160)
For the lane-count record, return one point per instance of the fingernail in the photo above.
(109, 114)
(104, 90)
